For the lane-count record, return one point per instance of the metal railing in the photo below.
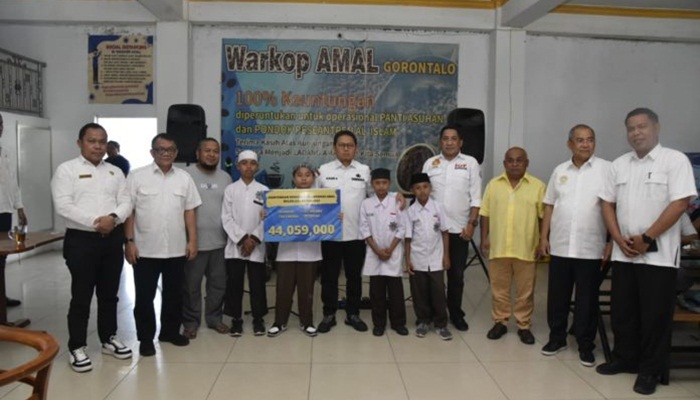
(21, 84)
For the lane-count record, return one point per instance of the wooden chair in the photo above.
(47, 347)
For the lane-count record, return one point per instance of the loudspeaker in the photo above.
(187, 125)
(470, 123)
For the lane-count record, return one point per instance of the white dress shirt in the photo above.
(240, 214)
(82, 192)
(10, 198)
(160, 201)
(353, 182)
(424, 226)
(299, 251)
(642, 189)
(383, 221)
(577, 229)
(456, 186)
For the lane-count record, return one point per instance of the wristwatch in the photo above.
(646, 239)
(128, 240)
(115, 216)
(474, 223)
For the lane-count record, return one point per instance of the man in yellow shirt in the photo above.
(511, 210)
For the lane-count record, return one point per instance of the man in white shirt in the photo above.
(10, 200)
(353, 180)
(456, 182)
(573, 233)
(91, 196)
(211, 182)
(644, 195)
(161, 235)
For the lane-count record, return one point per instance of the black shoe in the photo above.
(378, 331)
(497, 331)
(614, 368)
(177, 340)
(258, 327)
(356, 322)
(147, 349)
(526, 336)
(645, 384)
(326, 324)
(586, 358)
(13, 302)
(460, 324)
(552, 348)
(236, 328)
(401, 330)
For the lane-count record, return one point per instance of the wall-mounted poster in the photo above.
(285, 99)
(120, 69)
(695, 161)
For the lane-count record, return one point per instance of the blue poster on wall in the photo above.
(695, 161)
(285, 99)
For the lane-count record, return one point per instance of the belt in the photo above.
(117, 231)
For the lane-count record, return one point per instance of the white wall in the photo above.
(567, 81)
(596, 82)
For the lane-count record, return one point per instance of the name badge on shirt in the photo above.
(460, 166)
(209, 186)
(84, 176)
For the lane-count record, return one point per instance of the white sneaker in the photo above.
(309, 330)
(275, 330)
(79, 360)
(115, 348)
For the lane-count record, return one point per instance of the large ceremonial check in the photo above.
(302, 215)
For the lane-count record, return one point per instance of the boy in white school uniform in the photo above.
(242, 220)
(382, 228)
(427, 256)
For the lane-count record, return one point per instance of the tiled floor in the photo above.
(340, 365)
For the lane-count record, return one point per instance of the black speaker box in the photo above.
(187, 125)
(470, 123)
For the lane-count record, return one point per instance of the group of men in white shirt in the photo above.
(636, 201)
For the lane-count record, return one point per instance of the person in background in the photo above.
(382, 227)
(456, 183)
(91, 196)
(161, 235)
(427, 250)
(574, 234)
(644, 196)
(116, 159)
(297, 265)
(10, 200)
(511, 211)
(211, 182)
(241, 216)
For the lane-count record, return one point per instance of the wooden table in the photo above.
(7, 247)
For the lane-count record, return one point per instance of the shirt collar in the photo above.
(652, 155)
(527, 177)
(589, 162)
(85, 161)
(339, 165)
(459, 156)
(155, 168)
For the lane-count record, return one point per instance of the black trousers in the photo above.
(351, 255)
(379, 287)
(257, 274)
(428, 292)
(146, 274)
(459, 251)
(95, 264)
(641, 314)
(564, 274)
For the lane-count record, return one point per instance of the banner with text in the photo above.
(120, 69)
(285, 99)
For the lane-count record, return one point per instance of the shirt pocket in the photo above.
(179, 197)
(656, 186)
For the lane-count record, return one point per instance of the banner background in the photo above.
(393, 96)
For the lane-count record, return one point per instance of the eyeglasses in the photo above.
(346, 145)
(165, 150)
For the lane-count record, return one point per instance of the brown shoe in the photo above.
(221, 328)
(189, 333)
